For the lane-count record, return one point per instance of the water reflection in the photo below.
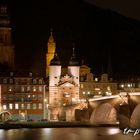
(98, 133)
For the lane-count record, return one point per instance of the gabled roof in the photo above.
(67, 84)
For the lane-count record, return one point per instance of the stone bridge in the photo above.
(123, 108)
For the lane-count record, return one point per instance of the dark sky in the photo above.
(129, 8)
(98, 33)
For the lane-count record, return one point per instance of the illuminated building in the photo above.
(6, 46)
(91, 87)
(63, 90)
(22, 96)
(50, 53)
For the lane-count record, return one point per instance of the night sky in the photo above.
(99, 30)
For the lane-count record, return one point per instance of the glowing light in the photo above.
(83, 92)
(129, 85)
(122, 86)
(96, 79)
(97, 89)
(113, 131)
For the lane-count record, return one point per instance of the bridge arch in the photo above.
(5, 116)
(135, 117)
(104, 114)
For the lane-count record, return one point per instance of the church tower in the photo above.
(50, 53)
(6, 46)
(74, 68)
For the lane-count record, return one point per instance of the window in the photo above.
(40, 97)
(10, 89)
(34, 97)
(22, 106)
(34, 106)
(11, 81)
(34, 89)
(34, 81)
(10, 106)
(22, 89)
(4, 81)
(28, 88)
(40, 81)
(40, 106)
(4, 97)
(40, 88)
(82, 85)
(4, 107)
(16, 106)
(28, 106)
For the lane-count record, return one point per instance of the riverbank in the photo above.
(16, 125)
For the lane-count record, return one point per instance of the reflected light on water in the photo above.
(113, 131)
(1, 134)
(47, 130)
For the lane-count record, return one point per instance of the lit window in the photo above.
(34, 106)
(122, 85)
(108, 88)
(10, 106)
(96, 79)
(34, 97)
(83, 92)
(22, 89)
(34, 89)
(28, 88)
(82, 86)
(66, 94)
(28, 106)
(129, 85)
(22, 106)
(88, 92)
(16, 106)
(40, 106)
(40, 88)
(4, 107)
(10, 89)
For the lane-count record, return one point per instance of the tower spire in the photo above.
(73, 61)
(73, 50)
(51, 39)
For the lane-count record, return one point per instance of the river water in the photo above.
(80, 133)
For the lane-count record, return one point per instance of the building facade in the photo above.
(22, 97)
(63, 90)
(91, 87)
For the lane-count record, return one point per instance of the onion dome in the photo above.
(55, 60)
(73, 61)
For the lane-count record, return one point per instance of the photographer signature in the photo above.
(135, 132)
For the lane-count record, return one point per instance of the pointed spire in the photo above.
(73, 61)
(51, 39)
(73, 50)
